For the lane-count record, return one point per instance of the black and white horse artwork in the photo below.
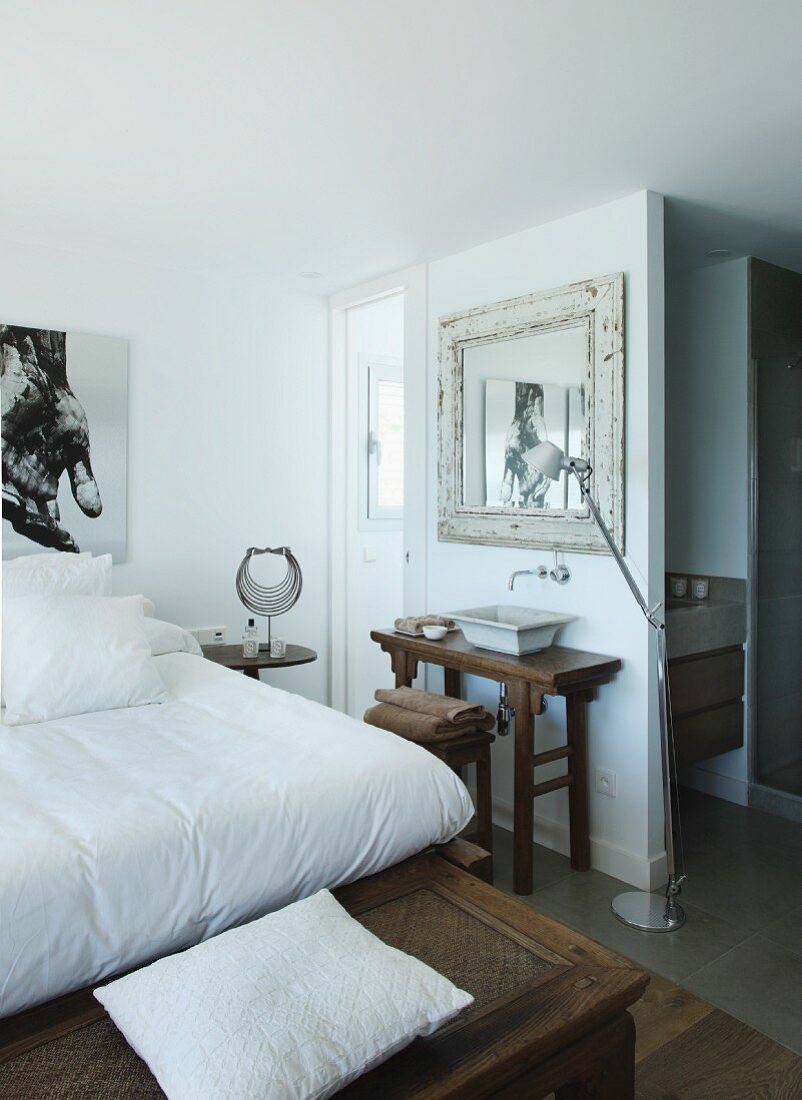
(528, 428)
(45, 433)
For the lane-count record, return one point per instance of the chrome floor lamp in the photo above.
(638, 908)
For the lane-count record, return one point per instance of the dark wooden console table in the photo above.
(554, 671)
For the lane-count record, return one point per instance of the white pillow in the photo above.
(169, 638)
(58, 574)
(54, 574)
(67, 655)
(292, 1006)
(58, 555)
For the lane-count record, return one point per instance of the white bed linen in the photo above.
(128, 834)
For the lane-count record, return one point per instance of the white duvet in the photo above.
(129, 834)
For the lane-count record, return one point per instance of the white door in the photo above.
(375, 334)
(378, 476)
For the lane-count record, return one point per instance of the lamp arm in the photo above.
(619, 557)
(674, 853)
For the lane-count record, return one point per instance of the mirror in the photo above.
(516, 394)
(514, 374)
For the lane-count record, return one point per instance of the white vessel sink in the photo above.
(507, 629)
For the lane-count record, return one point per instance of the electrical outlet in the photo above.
(210, 635)
(606, 782)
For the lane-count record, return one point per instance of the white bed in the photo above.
(128, 834)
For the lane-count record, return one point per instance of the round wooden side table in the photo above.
(230, 656)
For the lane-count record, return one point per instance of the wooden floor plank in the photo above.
(663, 1013)
(719, 1058)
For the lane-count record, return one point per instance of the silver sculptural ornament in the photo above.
(276, 599)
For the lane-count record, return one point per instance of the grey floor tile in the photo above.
(711, 823)
(583, 902)
(787, 931)
(741, 948)
(743, 885)
(759, 982)
(548, 866)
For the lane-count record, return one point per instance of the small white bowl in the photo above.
(435, 633)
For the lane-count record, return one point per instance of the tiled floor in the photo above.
(741, 948)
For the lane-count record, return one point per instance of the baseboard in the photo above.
(776, 802)
(644, 874)
(720, 786)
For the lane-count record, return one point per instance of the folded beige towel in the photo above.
(414, 624)
(415, 726)
(457, 712)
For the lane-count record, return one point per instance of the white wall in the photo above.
(376, 586)
(626, 235)
(707, 504)
(707, 451)
(228, 423)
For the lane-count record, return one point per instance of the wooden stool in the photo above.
(471, 748)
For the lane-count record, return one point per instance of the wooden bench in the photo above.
(550, 1011)
(550, 1006)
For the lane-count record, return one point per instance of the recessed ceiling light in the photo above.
(310, 274)
(717, 253)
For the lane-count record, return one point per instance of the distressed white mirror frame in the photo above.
(598, 306)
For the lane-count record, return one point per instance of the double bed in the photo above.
(128, 834)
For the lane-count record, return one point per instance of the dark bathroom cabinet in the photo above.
(707, 706)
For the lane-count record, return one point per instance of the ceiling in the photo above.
(354, 137)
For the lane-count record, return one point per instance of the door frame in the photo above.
(412, 283)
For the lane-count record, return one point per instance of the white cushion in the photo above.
(292, 1006)
(57, 574)
(168, 638)
(67, 655)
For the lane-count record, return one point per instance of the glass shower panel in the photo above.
(779, 574)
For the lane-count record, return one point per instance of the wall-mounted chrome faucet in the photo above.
(560, 573)
(541, 572)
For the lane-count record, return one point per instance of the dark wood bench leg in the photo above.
(452, 682)
(612, 1076)
(452, 685)
(576, 712)
(484, 802)
(523, 810)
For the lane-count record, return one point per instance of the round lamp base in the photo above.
(648, 912)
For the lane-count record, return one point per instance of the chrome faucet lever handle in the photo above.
(560, 574)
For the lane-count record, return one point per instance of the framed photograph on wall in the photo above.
(64, 441)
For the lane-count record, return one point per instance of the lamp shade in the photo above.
(547, 458)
